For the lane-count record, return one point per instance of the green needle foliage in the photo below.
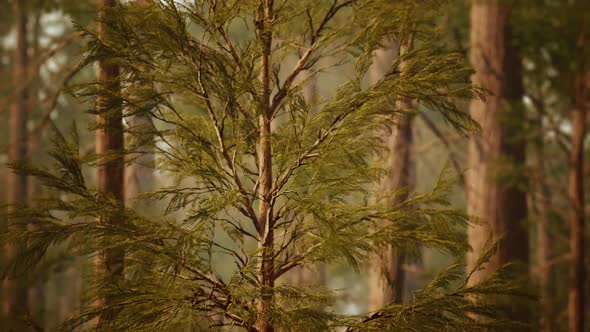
(197, 71)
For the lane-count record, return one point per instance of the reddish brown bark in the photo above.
(498, 205)
(109, 147)
(576, 192)
(15, 302)
(576, 302)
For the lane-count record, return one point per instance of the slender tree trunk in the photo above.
(386, 276)
(16, 184)
(499, 206)
(33, 186)
(542, 204)
(309, 275)
(109, 143)
(576, 305)
(377, 282)
(36, 292)
(576, 192)
(139, 173)
(265, 214)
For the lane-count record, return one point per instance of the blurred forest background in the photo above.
(519, 177)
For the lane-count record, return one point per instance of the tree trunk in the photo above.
(499, 206)
(265, 214)
(576, 305)
(302, 276)
(542, 202)
(386, 275)
(109, 148)
(139, 173)
(576, 192)
(15, 303)
(35, 297)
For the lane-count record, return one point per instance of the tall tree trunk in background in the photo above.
(35, 294)
(386, 275)
(109, 142)
(542, 203)
(139, 173)
(15, 303)
(265, 226)
(576, 193)
(377, 283)
(499, 205)
(36, 291)
(33, 185)
(302, 276)
(576, 305)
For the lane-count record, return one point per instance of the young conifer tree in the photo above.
(271, 198)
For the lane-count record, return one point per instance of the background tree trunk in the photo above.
(576, 305)
(139, 173)
(36, 291)
(302, 276)
(386, 275)
(542, 203)
(109, 148)
(499, 205)
(15, 303)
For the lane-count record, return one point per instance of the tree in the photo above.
(139, 173)
(270, 199)
(494, 193)
(577, 294)
(310, 275)
(109, 148)
(35, 292)
(559, 98)
(386, 283)
(15, 303)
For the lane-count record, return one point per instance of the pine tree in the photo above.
(269, 199)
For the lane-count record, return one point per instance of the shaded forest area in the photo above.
(294, 165)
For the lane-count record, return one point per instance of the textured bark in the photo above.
(265, 225)
(499, 207)
(386, 274)
(109, 143)
(16, 184)
(576, 305)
